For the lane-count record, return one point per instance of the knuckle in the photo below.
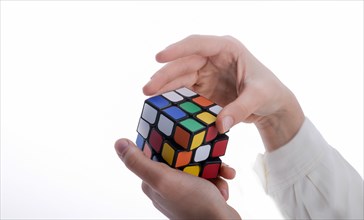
(230, 39)
(193, 36)
(262, 91)
(231, 42)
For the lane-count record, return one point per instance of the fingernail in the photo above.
(227, 122)
(121, 147)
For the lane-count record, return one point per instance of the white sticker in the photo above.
(202, 153)
(186, 92)
(215, 109)
(149, 113)
(173, 96)
(143, 128)
(165, 125)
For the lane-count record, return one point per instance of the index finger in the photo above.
(173, 72)
(203, 45)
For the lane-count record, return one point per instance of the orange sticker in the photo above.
(202, 101)
(181, 137)
(183, 158)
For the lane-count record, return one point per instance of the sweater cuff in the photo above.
(283, 167)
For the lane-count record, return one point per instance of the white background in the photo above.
(71, 79)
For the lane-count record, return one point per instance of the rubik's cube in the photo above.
(178, 128)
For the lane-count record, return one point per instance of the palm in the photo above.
(217, 80)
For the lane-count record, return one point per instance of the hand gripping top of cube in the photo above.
(178, 128)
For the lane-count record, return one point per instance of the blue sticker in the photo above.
(175, 112)
(140, 142)
(158, 101)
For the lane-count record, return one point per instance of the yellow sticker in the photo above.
(193, 170)
(206, 117)
(168, 153)
(197, 140)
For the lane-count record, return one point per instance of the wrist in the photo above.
(279, 128)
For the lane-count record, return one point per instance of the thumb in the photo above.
(137, 162)
(237, 111)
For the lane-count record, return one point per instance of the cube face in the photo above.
(178, 128)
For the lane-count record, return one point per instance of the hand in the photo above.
(175, 193)
(222, 69)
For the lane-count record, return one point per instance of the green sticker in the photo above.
(190, 107)
(191, 124)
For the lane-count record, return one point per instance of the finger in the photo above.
(237, 111)
(227, 172)
(222, 186)
(148, 170)
(183, 81)
(203, 45)
(173, 70)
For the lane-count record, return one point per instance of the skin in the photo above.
(223, 70)
(176, 194)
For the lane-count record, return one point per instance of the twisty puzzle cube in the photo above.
(178, 128)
